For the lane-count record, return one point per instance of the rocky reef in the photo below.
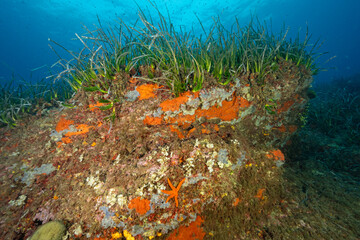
(205, 164)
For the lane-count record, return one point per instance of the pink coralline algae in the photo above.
(44, 215)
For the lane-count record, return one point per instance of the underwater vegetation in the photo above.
(324, 165)
(157, 52)
(19, 99)
(182, 60)
(333, 122)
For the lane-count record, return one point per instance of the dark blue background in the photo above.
(26, 25)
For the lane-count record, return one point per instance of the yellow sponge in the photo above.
(54, 230)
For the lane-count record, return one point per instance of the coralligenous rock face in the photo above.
(166, 162)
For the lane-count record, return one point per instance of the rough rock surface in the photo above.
(186, 167)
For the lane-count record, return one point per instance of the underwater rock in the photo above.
(30, 175)
(18, 202)
(166, 165)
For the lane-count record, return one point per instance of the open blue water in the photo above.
(26, 26)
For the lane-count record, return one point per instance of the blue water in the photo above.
(26, 26)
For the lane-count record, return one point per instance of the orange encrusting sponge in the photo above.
(141, 206)
(63, 124)
(191, 232)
